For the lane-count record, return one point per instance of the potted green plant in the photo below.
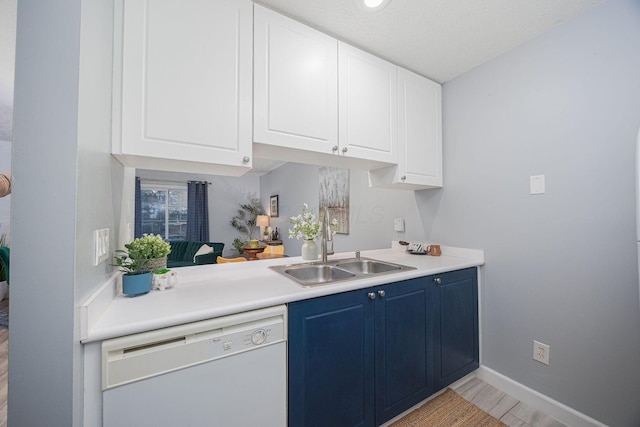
(245, 222)
(141, 257)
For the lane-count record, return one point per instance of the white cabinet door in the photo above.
(419, 130)
(419, 136)
(186, 85)
(295, 84)
(368, 120)
(319, 101)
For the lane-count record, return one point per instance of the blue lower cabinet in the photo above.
(455, 330)
(360, 358)
(403, 360)
(331, 362)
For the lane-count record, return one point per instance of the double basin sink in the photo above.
(317, 273)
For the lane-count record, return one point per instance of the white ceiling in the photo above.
(440, 39)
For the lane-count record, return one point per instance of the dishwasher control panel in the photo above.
(148, 354)
(247, 337)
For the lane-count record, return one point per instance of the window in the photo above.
(164, 210)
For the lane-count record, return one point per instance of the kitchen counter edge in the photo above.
(210, 291)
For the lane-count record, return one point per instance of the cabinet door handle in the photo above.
(335, 148)
(245, 159)
(381, 293)
(371, 295)
(403, 178)
(437, 280)
(344, 150)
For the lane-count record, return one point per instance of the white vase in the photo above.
(310, 250)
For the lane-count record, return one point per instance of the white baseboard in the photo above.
(537, 400)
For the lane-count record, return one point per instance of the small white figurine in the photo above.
(164, 279)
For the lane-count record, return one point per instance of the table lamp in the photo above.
(262, 221)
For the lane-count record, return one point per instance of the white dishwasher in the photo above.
(228, 371)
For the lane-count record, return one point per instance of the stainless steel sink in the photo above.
(317, 273)
(367, 266)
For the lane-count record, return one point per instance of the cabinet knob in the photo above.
(344, 150)
(245, 159)
(437, 280)
(335, 148)
(381, 293)
(403, 178)
(371, 295)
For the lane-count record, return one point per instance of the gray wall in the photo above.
(225, 195)
(63, 190)
(371, 210)
(561, 267)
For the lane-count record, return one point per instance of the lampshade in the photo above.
(262, 221)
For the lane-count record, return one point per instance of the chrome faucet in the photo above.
(327, 235)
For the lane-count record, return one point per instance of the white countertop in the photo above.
(209, 291)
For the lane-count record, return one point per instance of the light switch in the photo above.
(100, 246)
(398, 224)
(536, 184)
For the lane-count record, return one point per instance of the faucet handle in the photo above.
(330, 251)
(358, 255)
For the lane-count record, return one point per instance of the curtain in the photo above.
(137, 229)
(197, 211)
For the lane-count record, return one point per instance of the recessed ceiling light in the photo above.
(372, 5)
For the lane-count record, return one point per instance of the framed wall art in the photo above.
(334, 195)
(273, 206)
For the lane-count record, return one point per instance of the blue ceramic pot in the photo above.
(134, 284)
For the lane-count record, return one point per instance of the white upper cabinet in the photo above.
(183, 85)
(319, 101)
(419, 136)
(295, 84)
(368, 119)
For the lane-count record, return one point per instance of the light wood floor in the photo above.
(4, 368)
(504, 407)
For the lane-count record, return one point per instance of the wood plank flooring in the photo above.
(504, 407)
(4, 368)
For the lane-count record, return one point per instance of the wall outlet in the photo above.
(541, 352)
(100, 246)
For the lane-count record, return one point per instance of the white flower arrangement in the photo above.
(306, 227)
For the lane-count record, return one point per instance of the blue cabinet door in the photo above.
(360, 358)
(404, 362)
(331, 381)
(455, 309)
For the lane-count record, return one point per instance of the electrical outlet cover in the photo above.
(100, 246)
(398, 224)
(536, 184)
(541, 352)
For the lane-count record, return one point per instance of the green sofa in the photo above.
(183, 252)
(4, 261)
